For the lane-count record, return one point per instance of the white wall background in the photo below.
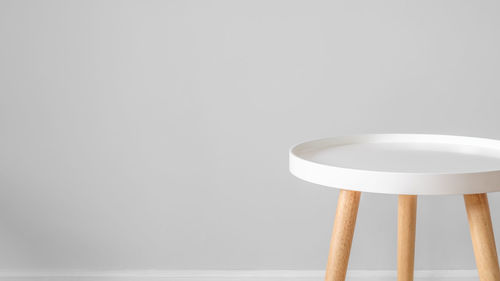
(154, 134)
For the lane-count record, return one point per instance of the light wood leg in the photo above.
(483, 239)
(343, 230)
(407, 217)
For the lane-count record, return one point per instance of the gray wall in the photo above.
(154, 134)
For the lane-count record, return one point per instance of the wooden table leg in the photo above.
(483, 239)
(343, 230)
(407, 216)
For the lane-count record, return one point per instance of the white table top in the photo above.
(400, 163)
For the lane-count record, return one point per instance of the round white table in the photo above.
(407, 165)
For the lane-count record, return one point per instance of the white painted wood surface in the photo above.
(400, 163)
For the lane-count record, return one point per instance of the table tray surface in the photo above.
(447, 164)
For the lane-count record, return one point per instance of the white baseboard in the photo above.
(233, 275)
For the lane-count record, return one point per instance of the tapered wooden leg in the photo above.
(407, 217)
(343, 230)
(483, 239)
